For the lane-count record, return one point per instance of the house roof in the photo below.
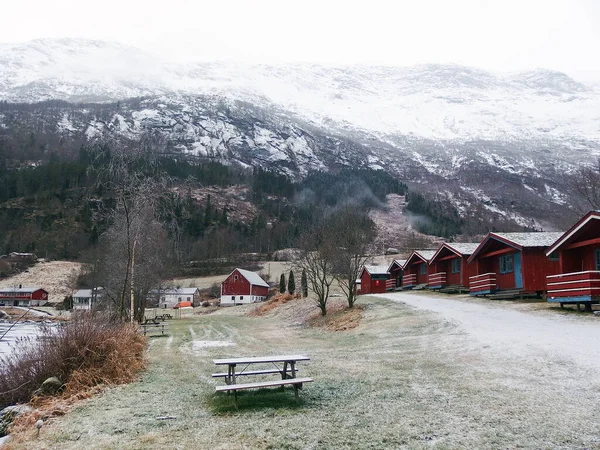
(175, 291)
(520, 240)
(376, 270)
(423, 255)
(567, 235)
(87, 293)
(253, 278)
(399, 262)
(21, 290)
(459, 248)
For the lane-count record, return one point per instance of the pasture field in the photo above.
(402, 378)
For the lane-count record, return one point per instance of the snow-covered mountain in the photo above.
(464, 132)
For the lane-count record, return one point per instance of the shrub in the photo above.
(88, 351)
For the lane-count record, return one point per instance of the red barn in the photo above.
(448, 265)
(513, 262)
(416, 268)
(373, 279)
(396, 270)
(578, 253)
(23, 296)
(243, 286)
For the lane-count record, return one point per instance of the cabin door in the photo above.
(518, 271)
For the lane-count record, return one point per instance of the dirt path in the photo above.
(517, 333)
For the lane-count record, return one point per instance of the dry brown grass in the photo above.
(338, 318)
(87, 352)
(273, 303)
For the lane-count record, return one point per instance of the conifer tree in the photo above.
(282, 284)
(291, 283)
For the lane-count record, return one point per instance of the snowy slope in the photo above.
(491, 144)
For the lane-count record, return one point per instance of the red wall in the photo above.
(536, 266)
(396, 275)
(232, 287)
(40, 294)
(416, 269)
(260, 291)
(370, 286)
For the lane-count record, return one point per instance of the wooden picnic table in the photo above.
(287, 371)
(282, 364)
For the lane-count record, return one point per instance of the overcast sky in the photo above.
(501, 35)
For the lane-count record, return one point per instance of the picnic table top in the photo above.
(261, 359)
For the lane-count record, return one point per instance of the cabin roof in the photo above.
(519, 240)
(21, 290)
(253, 278)
(424, 255)
(376, 270)
(534, 239)
(459, 248)
(571, 232)
(399, 262)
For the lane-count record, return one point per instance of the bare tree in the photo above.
(135, 237)
(354, 233)
(586, 183)
(316, 259)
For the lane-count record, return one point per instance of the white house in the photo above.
(169, 297)
(84, 299)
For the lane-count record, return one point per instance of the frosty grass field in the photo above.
(406, 377)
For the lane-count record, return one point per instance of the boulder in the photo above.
(51, 386)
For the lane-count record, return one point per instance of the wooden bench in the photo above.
(146, 328)
(252, 372)
(296, 382)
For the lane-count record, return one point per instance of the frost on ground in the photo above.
(459, 376)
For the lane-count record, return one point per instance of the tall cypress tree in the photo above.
(282, 284)
(291, 283)
(304, 284)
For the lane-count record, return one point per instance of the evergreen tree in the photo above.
(291, 283)
(304, 284)
(282, 284)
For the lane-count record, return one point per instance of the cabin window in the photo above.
(241, 297)
(233, 297)
(598, 259)
(235, 278)
(506, 263)
(423, 269)
(456, 266)
(553, 256)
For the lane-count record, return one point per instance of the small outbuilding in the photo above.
(514, 262)
(578, 253)
(416, 269)
(449, 267)
(167, 298)
(243, 286)
(373, 279)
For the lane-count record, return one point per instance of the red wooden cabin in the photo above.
(23, 296)
(243, 286)
(448, 266)
(512, 261)
(396, 270)
(416, 269)
(373, 279)
(578, 253)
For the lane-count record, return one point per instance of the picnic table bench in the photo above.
(287, 371)
(153, 327)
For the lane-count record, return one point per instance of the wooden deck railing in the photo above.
(574, 284)
(436, 280)
(482, 284)
(409, 280)
(390, 285)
